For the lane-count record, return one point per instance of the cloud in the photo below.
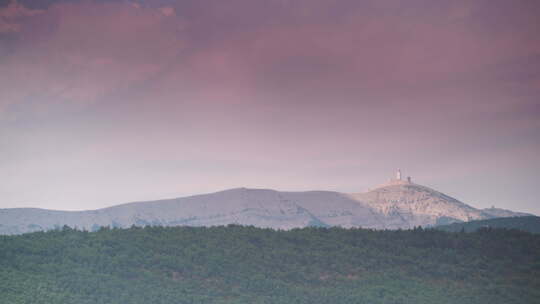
(78, 53)
(415, 58)
(11, 14)
(167, 11)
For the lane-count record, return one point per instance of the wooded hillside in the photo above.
(237, 264)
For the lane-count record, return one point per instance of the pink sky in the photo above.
(105, 102)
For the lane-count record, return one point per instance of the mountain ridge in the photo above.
(399, 205)
(525, 223)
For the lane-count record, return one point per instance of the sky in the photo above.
(112, 101)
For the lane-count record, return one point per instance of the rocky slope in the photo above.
(406, 204)
(402, 205)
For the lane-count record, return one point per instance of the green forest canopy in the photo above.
(237, 264)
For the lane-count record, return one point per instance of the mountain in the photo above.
(525, 223)
(395, 205)
(406, 205)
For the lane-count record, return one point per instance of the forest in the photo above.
(238, 264)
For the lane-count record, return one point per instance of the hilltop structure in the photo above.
(398, 180)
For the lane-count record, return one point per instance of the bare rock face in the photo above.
(393, 206)
(406, 205)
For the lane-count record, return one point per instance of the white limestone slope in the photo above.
(389, 207)
(405, 205)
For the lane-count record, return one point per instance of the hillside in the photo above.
(498, 212)
(525, 223)
(406, 205)
(394, 206)
(237, 264)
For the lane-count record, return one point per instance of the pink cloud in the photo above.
(94, 49)
(11, 15)
(90, 50)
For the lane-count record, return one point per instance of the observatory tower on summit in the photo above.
(396, 180)
(399, 179)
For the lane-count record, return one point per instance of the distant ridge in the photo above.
(498, 212)
(524, 223)
(401, 205)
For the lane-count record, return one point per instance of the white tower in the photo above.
(398, 174)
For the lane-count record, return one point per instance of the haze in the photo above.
(106, 102)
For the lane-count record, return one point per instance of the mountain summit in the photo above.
(397, 204)
(407, 204)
